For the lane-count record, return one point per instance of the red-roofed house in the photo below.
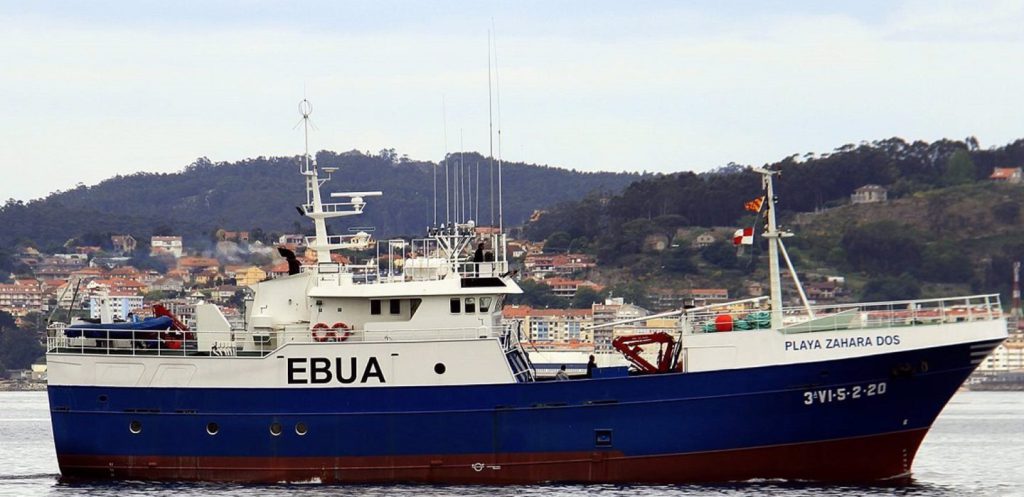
(565, 287)
(124, 273)
(1010, 175)
(541, 266)
(21, 298)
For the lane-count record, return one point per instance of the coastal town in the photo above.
(122, 278)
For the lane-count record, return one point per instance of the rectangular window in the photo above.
(573, 328)
(470, 305)
(374, 307)
(396, 306)
(455, 305)
(485, 304)
(542, 331)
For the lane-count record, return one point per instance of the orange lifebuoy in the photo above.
(341, 331)
(322, 333)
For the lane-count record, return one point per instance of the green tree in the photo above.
(19, 348)
(558, 241)
(720, 254)
(7, 322)
(631, 293)
(586, 296)
(946, 262)
(959, 169)
(903, 287)
(678, 260)
(884, 247)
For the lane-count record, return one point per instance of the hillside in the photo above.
(261, 194)
(946, 227)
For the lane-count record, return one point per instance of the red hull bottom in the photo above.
(859, 459)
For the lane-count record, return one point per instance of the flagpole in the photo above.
(774, 280)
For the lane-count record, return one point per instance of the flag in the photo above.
(754, 205)
(743, 236)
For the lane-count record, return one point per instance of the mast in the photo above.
(772, 234)
(314, 208)
(314, 205)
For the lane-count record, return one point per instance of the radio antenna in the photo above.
(447, 203)
(490, 127)
(497, 94)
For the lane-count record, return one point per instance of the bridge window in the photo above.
(485, 304)
(455, 305)
(374, 307)
(396, 306)
(470, 305)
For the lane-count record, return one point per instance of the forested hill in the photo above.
(807, 183)
(262, 194)
(946, 227)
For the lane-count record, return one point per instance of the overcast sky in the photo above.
(93, 89)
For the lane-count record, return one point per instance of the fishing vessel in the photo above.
(379, 373)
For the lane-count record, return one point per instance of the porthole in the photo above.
(275, 429)
(300, 428)
(212, 428)
(439, 368)
(135, 427)
(102, 398)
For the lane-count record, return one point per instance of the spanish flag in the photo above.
(754, 205)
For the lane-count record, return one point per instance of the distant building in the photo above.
(166, 245)
(124, 244)
(119, 304)
(565, 287)
(753, 288)
(822, 291)
(1010, 175)
(1008, 356)
(703, 240)
(249, 276)
(869, 194)
(542, 266)
(613, 309)
(236, 236)
(295, 240)
(665, 299)
(552, 326)
(21, 298)
(705, 296)
(168, 285)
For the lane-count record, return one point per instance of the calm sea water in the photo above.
(976, 448)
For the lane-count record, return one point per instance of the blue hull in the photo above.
(843, 420)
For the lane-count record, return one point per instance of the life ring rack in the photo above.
(322, 333)
(341, 331)
(338, 332)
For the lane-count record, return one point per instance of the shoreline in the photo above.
(22, 386)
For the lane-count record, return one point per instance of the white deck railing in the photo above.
(238, 343)
(843, 317)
